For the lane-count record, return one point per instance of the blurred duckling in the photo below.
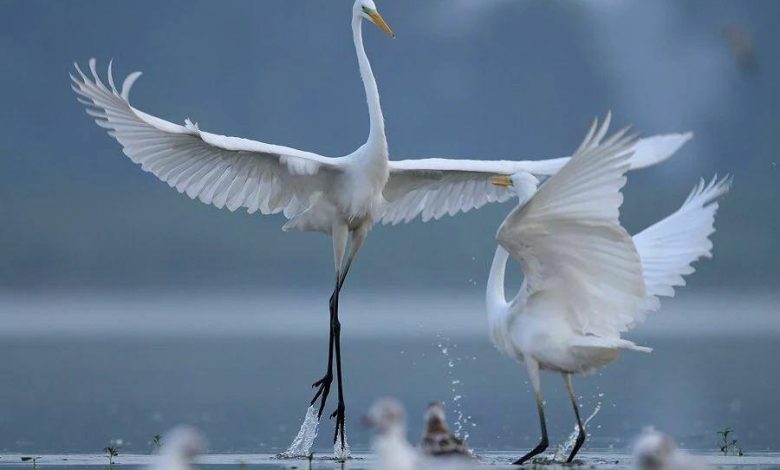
(179, 448)
(657, 451)
(392, 450)
(437, 440)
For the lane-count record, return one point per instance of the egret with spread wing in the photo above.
(586, 279)
(342, 197)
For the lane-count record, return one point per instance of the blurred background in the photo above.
(126, 308)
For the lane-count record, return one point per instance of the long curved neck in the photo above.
(377, 130)
(495, 298)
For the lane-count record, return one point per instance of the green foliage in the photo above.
(728, 445)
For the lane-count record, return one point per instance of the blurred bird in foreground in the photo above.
(392, 450)
(657, 451)
(437, 440)
(179, 447)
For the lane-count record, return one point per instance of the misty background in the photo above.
(482, 79)
(127, 308)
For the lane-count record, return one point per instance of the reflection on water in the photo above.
(365, 461)
(78, 373)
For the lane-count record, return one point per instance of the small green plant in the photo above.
(34, 460)
(111, 452)
(728, 445)
(156, 442)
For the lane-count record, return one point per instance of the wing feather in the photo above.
(669, 247)
(223, 171)
(570, 243)
(453, 186)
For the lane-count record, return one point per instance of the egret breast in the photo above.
(359, 195)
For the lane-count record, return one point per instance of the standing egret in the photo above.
(342, 197)
(586, 280)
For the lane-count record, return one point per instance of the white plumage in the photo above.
(343, 197)
(586, 280)
(232, 172)
(669, 247)
(570, 244)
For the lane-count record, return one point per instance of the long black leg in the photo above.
(581, 435)
(339, 413)
(358, 237)
(533, 374)
(336, 328)
(542, 446)
(323, 385)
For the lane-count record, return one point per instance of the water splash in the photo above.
(301, 445)
(461, 419)
(562, 452)
(338, 452)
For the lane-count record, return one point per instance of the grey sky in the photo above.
(464, 78)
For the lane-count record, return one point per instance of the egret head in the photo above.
(521, 183)
(367, 10)
(387, 416)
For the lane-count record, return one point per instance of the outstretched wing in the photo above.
(224, 171)
(434, 187)
(570, 244)
(668, 248)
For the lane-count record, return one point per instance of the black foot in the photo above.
(339, 433)
(537, 450)
(323, 390)
(580, 440)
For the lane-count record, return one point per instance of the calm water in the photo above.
(78, 372)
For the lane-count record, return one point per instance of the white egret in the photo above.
(585, 279)
(437, 440)
(392, 449)
(342, 197)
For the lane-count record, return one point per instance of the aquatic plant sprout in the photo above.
(111, 452)
(729, 446)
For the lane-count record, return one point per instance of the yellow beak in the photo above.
(379, 21)
(502, 181)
